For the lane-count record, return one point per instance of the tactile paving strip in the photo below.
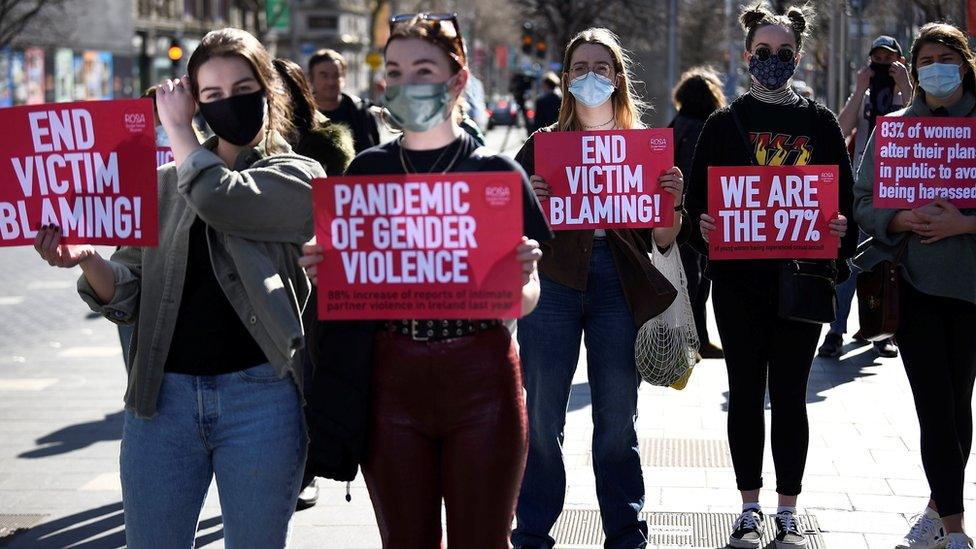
(680, 452)
(11, 524)
(582, 529)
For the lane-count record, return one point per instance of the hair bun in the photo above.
(753, 16)
(798, 18)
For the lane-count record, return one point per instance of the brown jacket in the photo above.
(566, 258)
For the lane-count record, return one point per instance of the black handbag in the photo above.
(806, 291)
(806, 288)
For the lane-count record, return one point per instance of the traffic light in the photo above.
(175, 51)
(527, 38)
(541, 49)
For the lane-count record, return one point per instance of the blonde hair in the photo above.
(628, 107)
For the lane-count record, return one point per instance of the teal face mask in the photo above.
(419, 107)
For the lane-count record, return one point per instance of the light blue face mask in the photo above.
(419, 107)
(591, 89)
(939, 79)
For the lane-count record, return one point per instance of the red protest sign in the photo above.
(770, 212)
(917, 160)
(164, 155)
(87, 167)
(420, 246)
(606, 179)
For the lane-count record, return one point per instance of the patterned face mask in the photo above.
(772, 73)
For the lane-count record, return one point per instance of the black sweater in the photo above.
(802, 134)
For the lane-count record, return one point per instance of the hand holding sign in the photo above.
(48, 245)
(944, 222)
(787, 212)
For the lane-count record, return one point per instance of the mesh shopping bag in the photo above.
(666, 348)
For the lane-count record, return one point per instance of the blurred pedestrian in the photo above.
(696, 96)
(937, 299)
(762, 348)
(547, 105)
(599, 284)
(883, 86)
(327, 75)
(215, 368)
(330, 145)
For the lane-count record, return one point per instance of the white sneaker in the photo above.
(959, 541)
(788, 533)
(747, 530)
(927, 532)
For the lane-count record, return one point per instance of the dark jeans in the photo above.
(759, 344)
(550, 343)
(448, 422)
(699, 287)
(937, 338)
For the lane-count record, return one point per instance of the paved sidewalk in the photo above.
(62, 378)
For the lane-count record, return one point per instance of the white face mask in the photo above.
(591, 89)
(940, 80)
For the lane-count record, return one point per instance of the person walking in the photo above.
(327, 76)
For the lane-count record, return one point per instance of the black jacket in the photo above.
(721, 144)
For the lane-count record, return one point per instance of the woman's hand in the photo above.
(673, 183)
(706, 224)
(541, 188)
(528, 254)
(48, 245)
(899, 72)
(948, 221)
(176, 105)
(838, 226)
(311, 257)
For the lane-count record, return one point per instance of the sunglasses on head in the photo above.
(784, 54)
(438, 17)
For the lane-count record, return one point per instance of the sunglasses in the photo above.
(784, 54)
(440, 18)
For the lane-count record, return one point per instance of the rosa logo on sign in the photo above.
(135, 122)
(827, 177)
(497, 196)
(658, 144)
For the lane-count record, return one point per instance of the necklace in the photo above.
(408, 166)
(600, 125)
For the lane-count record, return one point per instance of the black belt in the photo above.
(435, 330)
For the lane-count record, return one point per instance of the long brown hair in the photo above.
(627, 105)
(952, 38)
(232, 42)
(302, 100)
(699, 92)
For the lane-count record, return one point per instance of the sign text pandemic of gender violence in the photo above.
(606, 179)
(419, 246)
(772, 212)
(917, 160)
(86, 167)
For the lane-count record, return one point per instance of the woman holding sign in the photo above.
(936, 243)
(215, 368)
(447, 417)
(768, 316)
(600, 283)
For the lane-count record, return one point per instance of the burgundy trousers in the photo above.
(448, 422)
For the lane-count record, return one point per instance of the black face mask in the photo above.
(881, 100)
(236, 119)
(882, 78)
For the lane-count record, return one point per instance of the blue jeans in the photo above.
(246, 428)
(550, 344)
(845, 295)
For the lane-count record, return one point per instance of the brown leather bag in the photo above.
(877, 297)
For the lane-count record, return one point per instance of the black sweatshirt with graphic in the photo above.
(805, 133)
